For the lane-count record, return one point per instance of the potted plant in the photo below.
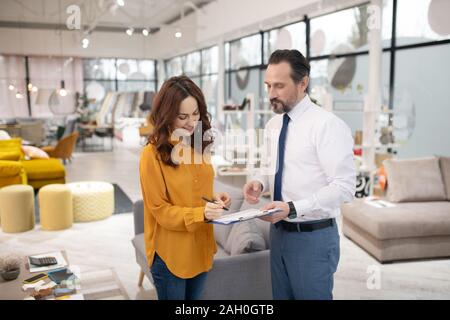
(10, 267)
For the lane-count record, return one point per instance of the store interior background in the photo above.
(224, 46)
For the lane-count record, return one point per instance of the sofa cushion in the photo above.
(221, 253)
(414, 180)
(44, 169)
(445, 170)
(245, 237)
(405, 220)
(34, 153)
(262, 225)
(221, 233)
(4, 135)
(10, 168)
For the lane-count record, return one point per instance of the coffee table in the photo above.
(102, 284)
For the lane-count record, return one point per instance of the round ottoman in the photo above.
(92, 200)
(17, 208)
(55, 205)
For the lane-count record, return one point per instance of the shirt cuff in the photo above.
(303, 207)
(262, 184)
(196, 215)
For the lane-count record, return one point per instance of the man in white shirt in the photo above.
(314, 175)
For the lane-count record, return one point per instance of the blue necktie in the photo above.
(281, 147)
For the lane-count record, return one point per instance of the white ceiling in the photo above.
(104, 13)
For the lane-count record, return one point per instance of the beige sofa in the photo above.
(419, 224)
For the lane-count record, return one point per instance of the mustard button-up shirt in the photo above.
(174, 223)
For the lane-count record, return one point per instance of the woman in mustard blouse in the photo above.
(179, 243)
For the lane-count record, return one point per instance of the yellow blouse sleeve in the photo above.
(167, 215)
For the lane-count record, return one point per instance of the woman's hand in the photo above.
(224, 197)
(213, 210)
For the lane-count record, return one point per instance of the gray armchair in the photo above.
(233, 277)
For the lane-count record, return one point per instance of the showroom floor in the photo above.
(107, 243)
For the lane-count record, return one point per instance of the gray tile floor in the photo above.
(106, 243)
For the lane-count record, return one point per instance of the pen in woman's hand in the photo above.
(212, 201)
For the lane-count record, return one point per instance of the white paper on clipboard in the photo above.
(243, 216)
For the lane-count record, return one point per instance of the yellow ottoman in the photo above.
(92, 200)
(17, 208)
(55, 206)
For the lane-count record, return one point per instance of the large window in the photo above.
(422, 21)
(346, 80)
(339, 44)
(13, 100)
(124, 75)
(202, 67)
(243, 70)
(209, 78)
(344, 31)
(246, 60)
(46, 74)
(412, 84)
(292, 36)
(422, 101)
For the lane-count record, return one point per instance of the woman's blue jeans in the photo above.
(170, 287)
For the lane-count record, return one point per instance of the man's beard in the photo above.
(279, 106)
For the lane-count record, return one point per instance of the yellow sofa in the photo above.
(14, 169)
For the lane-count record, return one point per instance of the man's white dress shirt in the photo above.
(319, 172)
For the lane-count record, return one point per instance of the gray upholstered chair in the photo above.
(240, 276)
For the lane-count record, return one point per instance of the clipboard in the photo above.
(243, 216)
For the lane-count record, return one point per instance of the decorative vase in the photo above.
(10, 275)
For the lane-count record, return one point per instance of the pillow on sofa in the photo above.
(263, 226)
(34, 153)
(4, 135)
(221, 233)
(445, 169)
(414, 180)
(245, 237)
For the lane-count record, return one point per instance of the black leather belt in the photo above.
(304, 227)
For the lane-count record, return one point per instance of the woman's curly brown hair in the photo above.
(165, 109)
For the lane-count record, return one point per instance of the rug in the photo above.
(122, 203)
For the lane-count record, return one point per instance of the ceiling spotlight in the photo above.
(30, 86)
(120, 3)
(85, 43)
(178, 34)
(34, 89)
(145, 32)
(130, 31)
(19, 95)
(11, 87)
